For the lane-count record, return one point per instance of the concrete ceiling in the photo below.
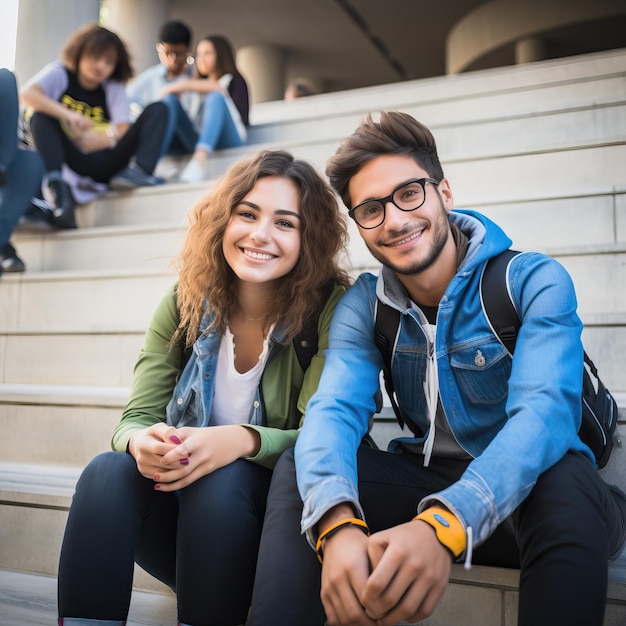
(347, 44)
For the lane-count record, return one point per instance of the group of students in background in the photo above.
(89, 128)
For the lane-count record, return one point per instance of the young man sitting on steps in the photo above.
(491, 470)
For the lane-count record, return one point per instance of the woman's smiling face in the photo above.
(263, 237)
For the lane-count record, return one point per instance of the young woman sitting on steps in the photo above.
(218, 394)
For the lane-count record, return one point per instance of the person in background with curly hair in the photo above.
(184, 492)
(79, 116)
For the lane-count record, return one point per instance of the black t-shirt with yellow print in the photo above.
(88, 102)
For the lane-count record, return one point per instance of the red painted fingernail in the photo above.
(175, 439)
(157, 487)
(184, 461)
(156, 477)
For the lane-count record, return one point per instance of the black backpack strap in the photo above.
(305, 342)
(387, 325)
(496, 300)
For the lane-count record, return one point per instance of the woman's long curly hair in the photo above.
(204, 274)
(94, 40)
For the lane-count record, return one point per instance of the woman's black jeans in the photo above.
(201, 541)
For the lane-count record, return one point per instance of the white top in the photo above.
(234, 392)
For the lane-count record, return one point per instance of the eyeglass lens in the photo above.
(408, 197)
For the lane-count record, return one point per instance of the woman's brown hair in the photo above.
(205, 276)
(93, 40)
(224, 55)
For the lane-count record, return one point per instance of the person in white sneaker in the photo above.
(218, 115)
(175, 63)
(79, 119)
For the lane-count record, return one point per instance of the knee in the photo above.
(156, 111)
(106, 469)
(170, 101)
(214, 100)
(8, 83)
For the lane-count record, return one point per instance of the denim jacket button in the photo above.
(179, 401)
(479, 359)
(207, 374)
(256, 404)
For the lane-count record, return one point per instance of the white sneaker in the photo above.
(193, 172)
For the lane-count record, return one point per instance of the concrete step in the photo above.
(490, 592)
(145, 247)
(68, 424)
(473, 96)
(81, 300)
(30, 599)
(105, 356)
(101, 357)
(58, 425)
(536, 219)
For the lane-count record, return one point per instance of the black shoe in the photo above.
(9, 261)
(64, 204)
(37, 217)
(133, 176)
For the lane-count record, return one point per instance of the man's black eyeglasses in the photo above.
(407, 197)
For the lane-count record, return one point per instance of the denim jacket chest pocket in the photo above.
(482, 372)
(409, 366)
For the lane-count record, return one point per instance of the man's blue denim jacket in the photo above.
(514, 417)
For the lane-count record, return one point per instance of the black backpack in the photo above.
(599, 408)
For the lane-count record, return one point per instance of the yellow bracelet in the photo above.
(333, 528)
(450, 532)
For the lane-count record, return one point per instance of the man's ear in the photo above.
(446, 194)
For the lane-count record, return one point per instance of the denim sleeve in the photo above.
(543, 407)
(338, 414)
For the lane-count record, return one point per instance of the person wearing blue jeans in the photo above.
(216, 130)
(21, 172)
(216, 117)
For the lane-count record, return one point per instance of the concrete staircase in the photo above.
(540, 148)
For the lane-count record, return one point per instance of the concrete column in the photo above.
(138, 22)
(263, 67)
(43, 28)
(530, 49)
(496, 23)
